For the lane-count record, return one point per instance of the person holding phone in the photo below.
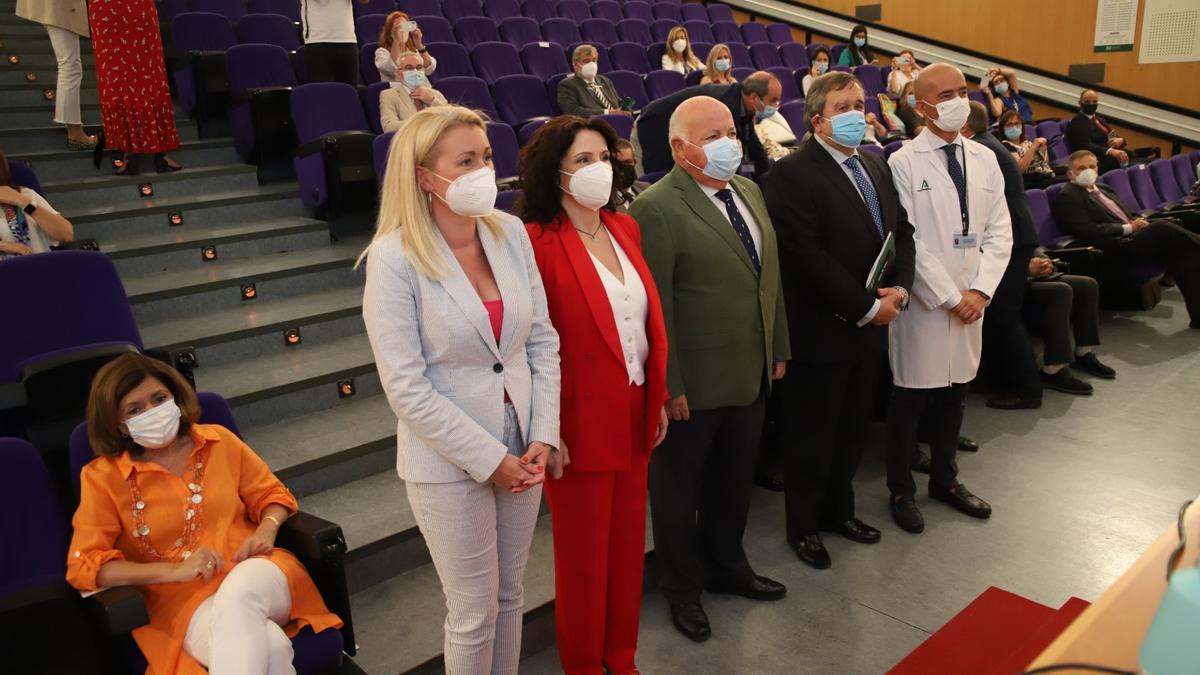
(411, 94)
(400, 35)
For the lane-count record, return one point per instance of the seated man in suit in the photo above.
(410, 94)
(1095, 216)
(625, 180)
(585, 93)
(1065, 307)
(1089, 131)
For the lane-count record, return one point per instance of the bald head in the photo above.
(696, 122)
(936, 79)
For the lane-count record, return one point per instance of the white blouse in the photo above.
(630, 306)
(682, 67)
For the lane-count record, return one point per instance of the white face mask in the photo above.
(155, 428)
(1085, 179)
(588, 70)
(591, 186)
(952, 114)
(472, 194)
(679, 45)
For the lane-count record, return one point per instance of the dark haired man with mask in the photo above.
(1090, 131)
(625, 177)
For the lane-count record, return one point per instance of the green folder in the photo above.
(883, 263)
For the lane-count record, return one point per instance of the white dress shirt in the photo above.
(630, 306)
(841, 157)
(747, 215)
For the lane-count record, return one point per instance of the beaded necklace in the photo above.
(193, 512)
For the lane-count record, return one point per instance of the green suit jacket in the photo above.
(726, 325)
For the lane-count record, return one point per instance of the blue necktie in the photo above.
(868, 192)
(956, 175)
(739, 226)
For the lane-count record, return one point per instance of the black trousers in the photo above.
(1006, 347)
(1065, 309)
(942, 409)
(700, 481)
(331, 62)
(1169, 244)
(825, 409)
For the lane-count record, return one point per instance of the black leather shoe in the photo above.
(1012, 402)
(961, 499)
(1067, 383)
(907, 515)
(757, 588)
(967, 445)
(689, 618)
(769, 481)
(1091, 365)
(920, 462)
(812, 551)
(857, 531)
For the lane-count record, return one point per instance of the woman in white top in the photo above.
(678, 56)
(816, 68)
(30, 224)
(468, 359)
(904, 70)
(399, 36)
(330, 45)
(718, 69)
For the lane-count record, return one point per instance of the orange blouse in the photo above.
(236, 488)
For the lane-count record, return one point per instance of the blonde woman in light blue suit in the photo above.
(457, 317)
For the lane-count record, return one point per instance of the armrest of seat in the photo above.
(321, 548)
(1075, 253)
(35, 366)
(118, 610)
(326, 141)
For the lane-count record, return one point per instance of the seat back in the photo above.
(629, 83)
(202, 32)
(435, 29)
(754, 33)
(608, 10)
(740, 55)
(794, 55)
(456, 10)
(499, 10)
(766, 55)
(1119, 181)
(1043, 222)
(693, 12)
(727, 32)
(520, 98)
(1143, 187)
(660, 83)
(366, 63)
(1184, 170)
(371, 105)
(379, 152)
(254, 66)
(638, 10)
(622, 124)
(288, 8)
(471, 92)
(575, 10)
(420, 8)
(660, 29)
(699, 31)
(562, 32)
(474, 30)
(780, 34)
(635, 31)
(539, 10)
(24, 176)
(791, 91)
(368, 27)
(453, 60)
(720, 13)
(383, 7)
(667, 11)
(270, 29)
(598, 32)
(506, 200)
(257, 66)
(628, 56)
(31, 516)
(793, 112)
(891, 148)
(544, 59)
(871, 79)
(742, 72)
(527, 131)
(519, 31)
(322, 108)
(233, 10)
(493, 60)
(1164, 181)
(505, 150)
(701, 50)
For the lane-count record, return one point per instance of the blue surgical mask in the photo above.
(848, 128)
(1000, 88)
(724, 157)
(766, 112)
(911, 100)
(1012, 133)
(722, 65)
(822, 66)
(860, 42)
(414, 79)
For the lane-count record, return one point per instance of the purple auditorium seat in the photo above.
(608, 10)
(539, 10)
(871, 148)
(976, 96)
(871, 79)
(891, 148)
(629, 84)
(654, 54)
(791, 91)
(622, 124)
(24, 176)
(500, 10)
(575, 10)
(505, 150)
(32, 516)
(544, 60)
(842, 69)
(601, 56)
(727, 32)
(383, 7)
(794, 55)
(765, 56)
(335, 142)
(699, 31)
(471, 92)
(741, 73)
(793, 112)
(871, 105)
(740, 55)
(233, 10)
(693, 11)
(371, 105)
(434, 29)
(506, 201)
(519, 31)
(720, 13)
(1119, 181)
(1048, 129)
(754, 33)
(493, 60)
(629, 56)
(652, 177)
(288, 8)
(1184, 170)
(1165, 183)
(635, 31)
(562, 32)
(660, 83)
(1143, 188)
(475, 30)
(261, 81)
(700, 49)
(667, 11)
(379, 152)
(366, 63)
(660, 29)
(521, 99)
(693, 78)
(598, 32)
(456, 10)
(1030, 130)
(420, 8)
(268, 29)
(1050, 236)
(368, 27)
(780, 34)
(452, 59)
(201, 39)
(638, 10)
(527, 131)
(169, 9)
(835, 52)
(552, 91)
(814, 47)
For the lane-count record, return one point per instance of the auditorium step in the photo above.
(30, 94)
(54, 162)
(108, 188)
(18, 141)
(33, 42)
(42, 59)
(26, 116)
(46, 75)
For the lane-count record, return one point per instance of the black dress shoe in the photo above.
(967, 445)
(756, 588)
(857, 531)
(812, 551)
(689, 618)
(907, 515)
(769, 481)
(1013, 402)
(1067, 383)
(920, 462)
(961, 499)
(1091, 365)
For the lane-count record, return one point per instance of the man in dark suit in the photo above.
(1095, 216)
(744, 99)
(709, 242)
(1089, 131)
(625, 181)
(585, 93)
(833, 207)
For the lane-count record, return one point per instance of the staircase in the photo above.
(335, 451)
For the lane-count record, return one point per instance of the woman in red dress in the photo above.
(135, 101)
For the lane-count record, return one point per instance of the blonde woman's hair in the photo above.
(402, 205)
(688, 56)
(710, 66)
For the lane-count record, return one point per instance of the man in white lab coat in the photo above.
(953, 191)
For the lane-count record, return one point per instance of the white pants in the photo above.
(70, 75)
(478, 536)
(237, 629)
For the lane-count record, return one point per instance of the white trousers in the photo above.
(478, 536)
(70, 75)
(237, 630)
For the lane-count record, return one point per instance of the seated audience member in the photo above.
(773, 129)
(858, 52)
(904, 70)
(585, 93)
(400, 35)
(1093, 214)
(1089, 131)
(876, 130)
(220, 595)
(1065, 307)
(1004, 93)
(818, 66)
(719, 67)
(678, 55)
(906, 110)
(1032, 156)
(409, 96)
(625, 180)
(31, 225)
(889, 119)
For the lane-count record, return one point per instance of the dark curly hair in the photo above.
(541, 197)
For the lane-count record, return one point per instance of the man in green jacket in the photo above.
(709, 242)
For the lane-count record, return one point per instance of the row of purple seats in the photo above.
(234, 10)
(1160, 186)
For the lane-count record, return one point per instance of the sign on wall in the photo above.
(1116, 21)
(1170, 32)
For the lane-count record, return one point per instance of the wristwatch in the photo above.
(422, 50)
(30, 208)
(903, 296)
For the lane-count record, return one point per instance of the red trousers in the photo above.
(599, 521)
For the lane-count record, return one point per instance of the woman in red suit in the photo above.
(606, 309)
(131, 78)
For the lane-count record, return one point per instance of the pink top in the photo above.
(495, 310)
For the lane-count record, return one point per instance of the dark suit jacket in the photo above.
(624, 200)
(652, 127)
(1084, 134)
(827, 245)
(1082, 217)
(574, 97)
(1024, 234)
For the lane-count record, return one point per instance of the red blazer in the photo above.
(595, 384)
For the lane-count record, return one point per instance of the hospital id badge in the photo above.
(969, 240)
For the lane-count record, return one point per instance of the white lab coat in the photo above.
(930, 347)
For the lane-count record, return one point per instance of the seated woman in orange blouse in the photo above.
(187, 513)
